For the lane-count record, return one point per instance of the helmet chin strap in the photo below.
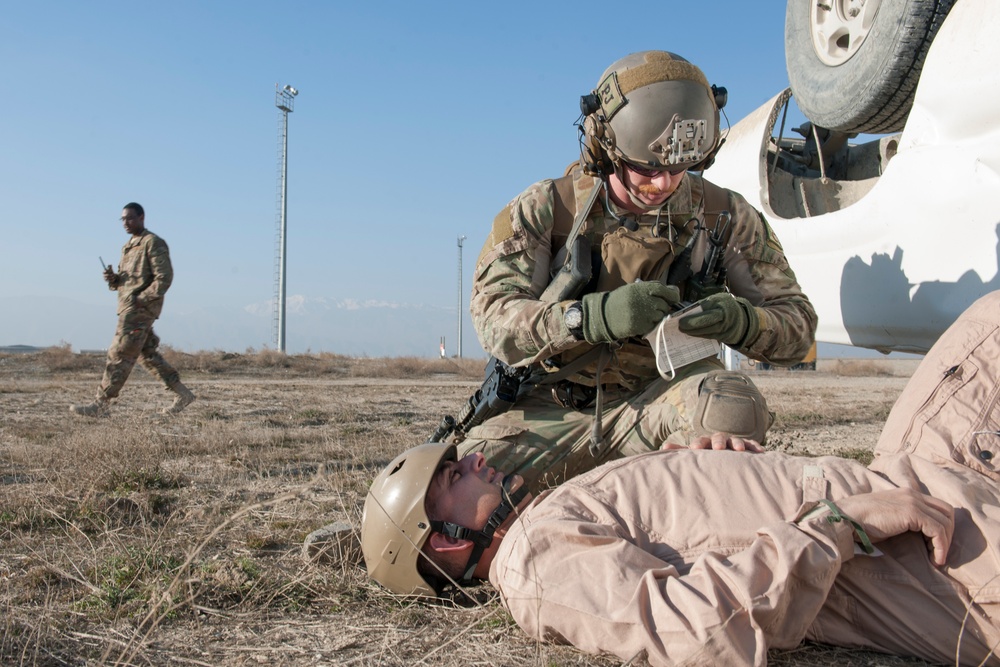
(481, 539)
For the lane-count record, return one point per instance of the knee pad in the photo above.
(730, 402)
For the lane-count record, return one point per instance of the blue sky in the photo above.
(415, 123)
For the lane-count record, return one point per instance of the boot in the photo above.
(184, 399)
(99, 408)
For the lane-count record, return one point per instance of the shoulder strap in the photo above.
(715, 198)
(738, 275)
(568, 221)
(563, 206)
(571, 266)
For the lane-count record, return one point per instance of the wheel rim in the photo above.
(839, 27)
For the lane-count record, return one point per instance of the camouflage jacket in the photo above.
(144, 274)
(515, 266)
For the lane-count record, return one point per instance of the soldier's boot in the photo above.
(184, 398)
(99, 408)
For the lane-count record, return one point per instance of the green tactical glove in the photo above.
(626, 311)
(726, 318)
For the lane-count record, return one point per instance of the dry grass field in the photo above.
(140, 539)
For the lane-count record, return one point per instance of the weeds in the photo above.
(861, 368)
(145, 540)
(62, 358)
(862, 456)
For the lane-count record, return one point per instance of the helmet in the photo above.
(653, 109)
(394, 525)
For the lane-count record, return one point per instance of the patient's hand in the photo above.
(719, 442)
(896, 511)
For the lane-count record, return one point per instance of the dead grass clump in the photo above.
(251, 361)
(311, 417)
(112, 460)
(812, 654)
(220, 361)
(811, 419)
(324, 363)
(861, 368)
(62, 358)
(203, 361)
(404, 367)
(469, 368)
(416, 367)
(268, 359)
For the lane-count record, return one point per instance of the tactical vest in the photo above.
(578, 269)
(567, 282)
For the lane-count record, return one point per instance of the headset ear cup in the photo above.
(596, 162)
(591, 145)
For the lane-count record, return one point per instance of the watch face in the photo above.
(574, 318)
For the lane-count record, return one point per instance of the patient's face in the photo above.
(465, 492)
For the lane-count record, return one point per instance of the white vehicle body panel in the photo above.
(894, 269)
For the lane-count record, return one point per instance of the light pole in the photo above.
(460, 239)
(284, 99)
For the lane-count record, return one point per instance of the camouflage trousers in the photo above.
(134, 340)
(547, 443)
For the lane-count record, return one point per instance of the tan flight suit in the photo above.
(712, 558)
(540, 438)
(144, 275)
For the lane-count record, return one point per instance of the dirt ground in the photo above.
(141, 539)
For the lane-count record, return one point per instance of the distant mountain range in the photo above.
(316, 324)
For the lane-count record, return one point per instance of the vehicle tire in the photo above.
(859, 74)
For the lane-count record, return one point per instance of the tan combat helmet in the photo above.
(394, 525)
(653, 109)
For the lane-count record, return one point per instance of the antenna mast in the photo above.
(460, 239)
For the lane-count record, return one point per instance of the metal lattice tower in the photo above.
(284, 99)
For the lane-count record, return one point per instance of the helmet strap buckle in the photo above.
(481, 539)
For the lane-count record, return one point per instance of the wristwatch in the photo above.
(574, 319)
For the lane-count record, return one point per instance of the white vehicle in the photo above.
(894, 237)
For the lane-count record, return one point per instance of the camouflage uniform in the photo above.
(144, 275)
(546, 442)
